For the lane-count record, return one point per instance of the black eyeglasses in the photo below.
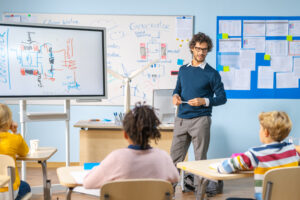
(198, 49)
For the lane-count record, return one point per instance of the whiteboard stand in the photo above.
(34, 117)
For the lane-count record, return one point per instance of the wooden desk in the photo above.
(41, 156)
(202, 169)
(4, 180)
(66, 179)
(98, 139)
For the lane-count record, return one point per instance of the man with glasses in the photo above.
(198, 89)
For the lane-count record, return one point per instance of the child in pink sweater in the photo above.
(139, 159)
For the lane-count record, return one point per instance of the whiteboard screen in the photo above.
(133, 41)
(52, 61)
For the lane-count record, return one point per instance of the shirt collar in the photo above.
(139, 147)
(202, 65)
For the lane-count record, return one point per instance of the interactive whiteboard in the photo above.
(133, 41)
(38, 61)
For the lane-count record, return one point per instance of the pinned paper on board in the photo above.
(267, 57)
(289, 38)
(184, 27)
(179, 61)
(219, 68)
(226, 68)
(225, 36)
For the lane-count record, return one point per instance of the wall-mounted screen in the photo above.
(52, 61)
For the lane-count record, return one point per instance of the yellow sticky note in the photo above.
(226, 68)
(267, 57)
(177, 39)
(225, 36)
(289, 38)
(184, 168)
(180, 45)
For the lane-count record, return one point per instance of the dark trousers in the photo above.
(23, 190)
(195, 130)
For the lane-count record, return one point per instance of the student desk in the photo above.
(41, 156)
(98, 139)
(66, 179)
(4, 180)
(202, 169)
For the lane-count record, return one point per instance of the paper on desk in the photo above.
(79, 175)
(94, 192)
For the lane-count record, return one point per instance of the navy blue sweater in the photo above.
(196, 82)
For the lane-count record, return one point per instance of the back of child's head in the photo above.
(141, 124)
(277, 123)
(5, 117)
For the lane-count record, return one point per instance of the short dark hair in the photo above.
(141, 124)
(201, 37)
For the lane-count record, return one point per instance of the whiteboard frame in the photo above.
(69, 97)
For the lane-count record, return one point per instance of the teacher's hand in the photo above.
(176, 99)
(197, 102)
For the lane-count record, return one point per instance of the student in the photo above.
(12, 144)
(274, 128)
(139, 159)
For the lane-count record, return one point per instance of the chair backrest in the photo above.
(282, 183)
(7, 167)
(137, 189)
(5, 162)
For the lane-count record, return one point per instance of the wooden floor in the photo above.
(234, 188)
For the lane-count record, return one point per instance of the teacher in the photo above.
(198, 89)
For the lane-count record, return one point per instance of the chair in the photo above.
(137, 189)
(282, 183)
(7, 167)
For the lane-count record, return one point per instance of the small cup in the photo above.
(34, 145)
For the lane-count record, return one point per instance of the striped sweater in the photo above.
(261, 159)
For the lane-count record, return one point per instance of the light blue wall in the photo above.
(235, 125)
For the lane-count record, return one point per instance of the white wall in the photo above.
(234, 125)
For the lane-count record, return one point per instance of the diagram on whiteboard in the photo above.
(36, 62)
(258, 57)
(133, 42)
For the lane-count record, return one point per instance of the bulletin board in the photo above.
(259, 57)
(133, 41)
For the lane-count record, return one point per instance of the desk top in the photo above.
(42, 154)
(201, 168)
(4, 180)
(65, 177)
(111, 125)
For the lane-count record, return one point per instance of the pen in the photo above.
(184, 102)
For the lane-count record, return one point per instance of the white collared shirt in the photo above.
(201, 65)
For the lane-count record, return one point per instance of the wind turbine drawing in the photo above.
(126, 81)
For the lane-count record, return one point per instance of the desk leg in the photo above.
(46, 182)
(201, 189)
(69, 193)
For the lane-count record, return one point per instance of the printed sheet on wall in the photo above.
(133, 41)
(259, 57)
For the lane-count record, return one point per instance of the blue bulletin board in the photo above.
(259, 57)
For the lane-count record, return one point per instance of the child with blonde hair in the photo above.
(275, 126)
(12, 144)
